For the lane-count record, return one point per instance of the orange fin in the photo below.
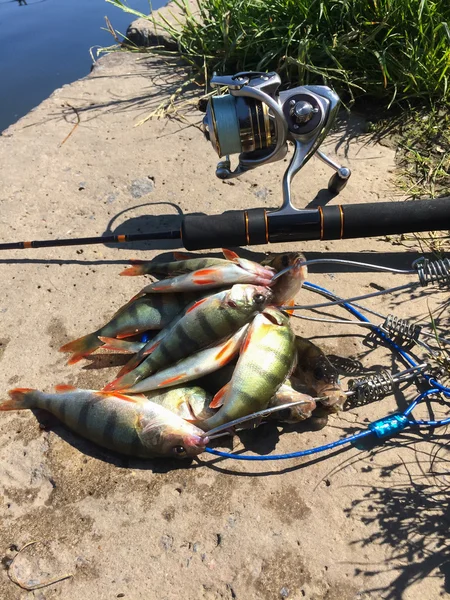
(205, 276)
(157, 288)
(217, 401)
(121, 336)
(129, 366)
(171, 380)
(112, 386)
(82, 347)
(196, 304)
(224, 354)
(230, 255)
(19, 399)
(290, 303)
(133, 271)
(112, 394)
(118, 346)
(64, 387)
(182, 255)
(151, 349)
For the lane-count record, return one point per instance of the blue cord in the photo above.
(383, 427)
(330, 446)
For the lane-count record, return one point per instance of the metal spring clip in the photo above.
(433, 271)
(401, 329)
(370, 388)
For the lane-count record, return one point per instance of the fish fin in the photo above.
(254, 335)
(19, 399)
(182, 255)
(130, 365)
(114, 385)
(226, 353)
(135, 269)
(114, 394)
(290, 303)
(151, 349)
(156, 287)
(230, 255)
(195, 305)
(60, 388)
(205, 276)
(82, 347)
(171, 380)
(119, 346)
(136, 360)
(121, 336)
(217, 401)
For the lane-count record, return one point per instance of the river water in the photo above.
(45, 43)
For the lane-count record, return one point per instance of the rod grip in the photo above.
(384, 218)
(233, 228)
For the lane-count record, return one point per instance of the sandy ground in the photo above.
(350, 525)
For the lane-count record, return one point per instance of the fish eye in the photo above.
(259, 299)
(231, 303)
(179, 450)
(318, 373)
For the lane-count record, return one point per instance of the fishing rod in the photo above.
(255, 120)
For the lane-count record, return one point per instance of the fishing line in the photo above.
(342, 261)
(381, 428)
(371, 311)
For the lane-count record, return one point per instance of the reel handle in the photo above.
(258, 226)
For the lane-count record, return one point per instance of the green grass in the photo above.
(388, 50)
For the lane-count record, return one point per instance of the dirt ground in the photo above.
(353, 524)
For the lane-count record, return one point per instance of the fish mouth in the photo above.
(299, 269)
(273, 315)
(335, 399)
(197, 443)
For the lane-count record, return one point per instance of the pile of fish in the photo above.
(210, 345)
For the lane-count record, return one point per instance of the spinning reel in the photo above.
(255, 120)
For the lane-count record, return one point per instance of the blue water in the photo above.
(45, 43)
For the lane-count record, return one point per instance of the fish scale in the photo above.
(267, 357)
(130, 425)
(177, 267)
(143, 314)
(207, 322)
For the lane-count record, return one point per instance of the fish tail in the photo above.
(19, 399)
(138, 267)
(121, 346)
(82, 347)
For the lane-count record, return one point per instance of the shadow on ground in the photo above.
(409, 513)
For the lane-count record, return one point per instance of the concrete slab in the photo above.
(353, 525)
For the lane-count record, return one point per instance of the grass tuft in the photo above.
(389, 50)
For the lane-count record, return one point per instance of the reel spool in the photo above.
(257, 121)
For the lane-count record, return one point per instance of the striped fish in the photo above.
(266, 359)
(206, 322)
(149, 347)
(143, 314)
(287, 286)
(189, 403)
(130, 425)
(316, 371)
(176, 267)
(237, 270)
(194, 366)
(292, 391)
